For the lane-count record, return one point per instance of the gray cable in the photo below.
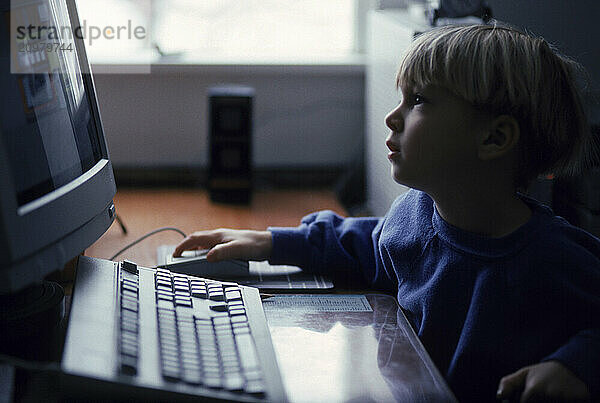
(146, 236)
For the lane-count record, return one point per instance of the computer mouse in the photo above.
(195, 264)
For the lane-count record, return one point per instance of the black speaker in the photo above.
(230, 133)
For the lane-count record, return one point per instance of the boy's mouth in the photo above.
(393, 155)
(392, 147)
(394, 150)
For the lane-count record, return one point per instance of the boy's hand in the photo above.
(229, 244)
(547, 381)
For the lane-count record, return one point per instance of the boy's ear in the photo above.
(501, 137)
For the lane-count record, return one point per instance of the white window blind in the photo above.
(249, 28)
(236, 29)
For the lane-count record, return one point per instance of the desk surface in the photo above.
(353, 355)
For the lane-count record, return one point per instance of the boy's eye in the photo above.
(417, 99)
(412, 99)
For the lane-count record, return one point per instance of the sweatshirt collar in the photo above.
(488, 247)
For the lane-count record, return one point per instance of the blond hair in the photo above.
(505, 71)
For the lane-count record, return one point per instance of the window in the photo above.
(237, 29)
(116, 28)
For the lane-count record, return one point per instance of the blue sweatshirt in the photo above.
(483, 307)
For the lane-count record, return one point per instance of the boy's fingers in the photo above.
(187, 244)
(223, 251)
(532, 395)
(512, 385)
(197, 240)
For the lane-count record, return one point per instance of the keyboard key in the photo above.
(164, 288)
(163, 282)
(128, 365)
(164, 304)
(210, 363)
(169, 352)
(129, 266)
(169, 343)
(166, 327)
(166, 312)
(212, 381)
(128, 336)
(181, 290)
(235, 304)
(186, 337)
(129, 326)
(203, 325)
(233, 295)
(187, 302)
(129, 349)
(130, 282)
(159, 278)
(190, 354)
(219, 307)
(128, 286)
(199, 293)
(179, 278)
(237, 311)
(233, 382)
(216, 296)
(255, 387)
(164, 294)
(129, 293)
(247, 352)
(170, 373)
(192, 377)
(170, 361)
(162, 297)
(239, 319)
(129, 304)
(182, 294)
(253, 375)
(230, 361)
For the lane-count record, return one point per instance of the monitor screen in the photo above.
(45, 118)
(56, 180)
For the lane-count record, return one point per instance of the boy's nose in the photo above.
(394, 120)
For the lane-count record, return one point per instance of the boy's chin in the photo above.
(398, 176)
(403, 179)
(404, 183)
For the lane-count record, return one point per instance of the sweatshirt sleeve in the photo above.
(574, 293)
(581, 355)
(342, 248)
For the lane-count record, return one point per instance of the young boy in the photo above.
(503, 294)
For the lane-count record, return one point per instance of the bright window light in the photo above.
(244, 29)
(109, 27)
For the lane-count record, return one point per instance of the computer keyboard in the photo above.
(159, 335)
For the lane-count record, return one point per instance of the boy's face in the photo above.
(434, 138)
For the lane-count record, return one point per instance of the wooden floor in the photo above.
(190, 210)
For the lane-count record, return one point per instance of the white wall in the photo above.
(390, 35)
(304, 116)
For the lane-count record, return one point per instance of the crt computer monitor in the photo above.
(56, 179)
